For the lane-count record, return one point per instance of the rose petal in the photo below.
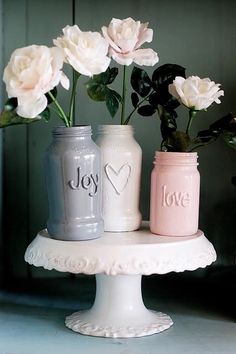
(145, 57)
(100, 66)
(71, 31)
(178, 83)
(65, 82)
(125, 37)
(124, 34)
(196, 93)
(145, 35)
(86, 52)
(109, 40)
(77, 65)
(172, 90)
(31, 72)
(29, 107)
(122, 59)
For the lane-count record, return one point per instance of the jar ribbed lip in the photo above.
(75, 131)
(115, 129)
(176, 158)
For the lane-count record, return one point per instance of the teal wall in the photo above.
(199, 35)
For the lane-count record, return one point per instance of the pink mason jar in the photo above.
(175, 187)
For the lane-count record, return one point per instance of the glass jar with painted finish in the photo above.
(73, 180)
(175, 185)
(121, 174)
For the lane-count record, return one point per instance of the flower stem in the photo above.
(123, 96)
(60, 111)
(192, 114)
(129, 116)
(138, 105)
(76, 76)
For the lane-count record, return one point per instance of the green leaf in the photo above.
(154, 99)
(119, 98)
(100, 79)
(230, 139)
(112, 74)
(225, 126)
(45, 114)
(97, 86)
(10, 117)
(163, 98)
(10, 104)
(225, 123)
(146, 110)
(165, 74)
(105, 78)
(161, 78)
(140, 81)
(134, 99)
(97, 91)
(206, 136)
(112, 102)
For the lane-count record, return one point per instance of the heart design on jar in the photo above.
(118, 178)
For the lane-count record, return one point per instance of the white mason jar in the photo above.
(121, 174)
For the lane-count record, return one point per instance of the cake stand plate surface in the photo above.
(119, 260)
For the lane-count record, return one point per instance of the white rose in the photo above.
(195, 93)
(125, 38)
(31, 72)
(86, 52)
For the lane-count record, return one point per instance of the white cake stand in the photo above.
(119, 260)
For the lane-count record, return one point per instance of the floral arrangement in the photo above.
(125, 38)
(34, 72)
(169, 88)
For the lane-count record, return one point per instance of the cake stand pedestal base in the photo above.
(119, 260)
(118, 311)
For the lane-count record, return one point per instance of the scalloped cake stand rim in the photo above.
(138, 252)
(77, 322)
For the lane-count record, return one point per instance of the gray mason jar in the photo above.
(73, 180)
